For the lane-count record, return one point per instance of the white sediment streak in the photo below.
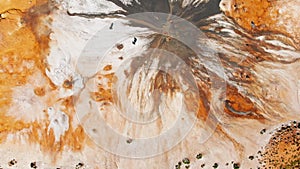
(59, 123)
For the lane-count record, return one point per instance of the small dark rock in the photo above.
(111, 26)
(262, 131)
(33, 165)
(199, 156)
(79, 165)
(12, 162)
(129, 141)
(134, 40)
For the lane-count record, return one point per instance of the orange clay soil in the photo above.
(264, 16)
(18, 48)
(253, 14)
(24, 46)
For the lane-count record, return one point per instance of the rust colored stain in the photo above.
(10, 125)
(68, 84)
(237, 101)
(21, 50)
(107, 67)
(165, 83)
(238, 105)
(103, 92)
(203, 102)
(39, 91)
(74, 138)
(16, 4)
(102, 95)
(120, 46)
(202, 110)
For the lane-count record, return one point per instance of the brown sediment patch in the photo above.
(253, 14)
(68, 83)
(39, 91)
(120, 46)
(103, 92)
(22, 51)
(237, 105)
(74, 138)
(188, 56)
(107, 67)
(203, 105)
(16, 4)
(283, 148)
(264, 16)
(10, 125)
(102, 95)
(164, 82)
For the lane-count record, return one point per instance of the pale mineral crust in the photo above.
(53, 90)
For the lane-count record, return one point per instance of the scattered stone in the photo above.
(262, 131)
(128, 141)
(33, 165)
(12, 162)
(79, 165)
(199, 156)
(111, 26)
(134, 40)
(120, 46)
